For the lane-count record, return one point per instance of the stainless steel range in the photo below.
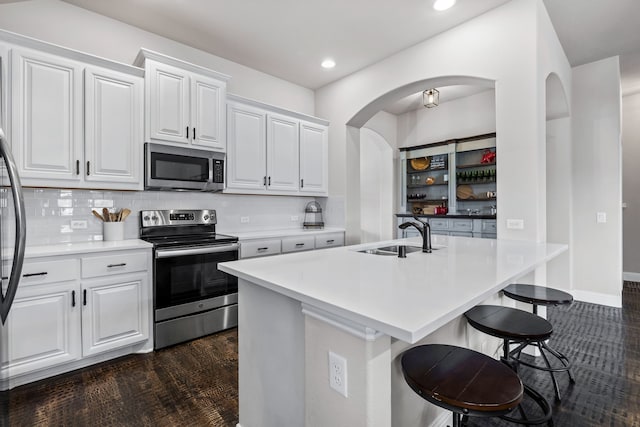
(192, 298)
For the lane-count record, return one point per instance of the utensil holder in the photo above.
(112, 231)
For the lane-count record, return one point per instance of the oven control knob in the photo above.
(154, 219)
(206, 217)
(146, 218)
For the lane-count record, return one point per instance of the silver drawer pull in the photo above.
(330, 241)
(122, 264)
(299, 245)
(262, 249)
(43, 273)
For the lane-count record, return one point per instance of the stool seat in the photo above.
(462, 380)
(509, 323)
(537, 295)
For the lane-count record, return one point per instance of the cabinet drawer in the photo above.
(439, 224)
(461, 233)
(462, 225)
(489, 226)
(37, 272)
(329, 240)
(294, 244)
(116, 263)
(259, 248)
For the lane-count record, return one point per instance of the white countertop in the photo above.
(268, 234)
(81, 248)
(406, 298)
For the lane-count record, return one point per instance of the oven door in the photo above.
(187, 280)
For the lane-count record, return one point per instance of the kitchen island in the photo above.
(294, 309)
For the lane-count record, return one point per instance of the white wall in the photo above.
(501, 46)
(597, 179)
(458, 118)
(631, 185)
(61, 23)
(377, 190)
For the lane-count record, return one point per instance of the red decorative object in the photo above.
(488, 157)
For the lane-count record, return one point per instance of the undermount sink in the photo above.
(389, 250)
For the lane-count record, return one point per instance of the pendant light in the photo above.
(430, 98)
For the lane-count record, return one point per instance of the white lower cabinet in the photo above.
(251, 248)
(463, 227)
(71, 308)
(43, 329)
(115, 314)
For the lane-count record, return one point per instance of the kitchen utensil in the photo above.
(97, 215)
(488, 157)
(430, 180)
(124, 213)
(464, 192)
(106, 215)
(420, 163)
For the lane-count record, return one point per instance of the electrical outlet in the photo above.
(338, 373)
(244, 219)
(294, 218)
(601, 217)
(78, 224)
(515, 224)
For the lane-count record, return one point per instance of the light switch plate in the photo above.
(601, 217)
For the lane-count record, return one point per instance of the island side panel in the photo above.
(368, 401)
(270, 358)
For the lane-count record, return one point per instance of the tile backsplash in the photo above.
(59, 215)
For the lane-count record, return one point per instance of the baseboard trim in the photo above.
(597, 298)
(631, 276)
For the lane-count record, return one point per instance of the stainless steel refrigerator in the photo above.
(12, 245)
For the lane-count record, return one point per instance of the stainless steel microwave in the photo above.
(182, 168)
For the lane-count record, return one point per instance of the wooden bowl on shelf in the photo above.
(420, 163)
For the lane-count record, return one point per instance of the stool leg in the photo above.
(553, 377)
(456, 419)
(562, 358)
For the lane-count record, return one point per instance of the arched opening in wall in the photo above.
(558, 180)
(466, 108)
(376, 192)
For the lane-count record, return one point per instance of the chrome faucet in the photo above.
(425, 232)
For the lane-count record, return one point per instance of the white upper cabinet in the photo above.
(314, 153)
(247, 148)
(282, 153)
(167, 103)
(113, 127)
(274, 151)
(47, 116)
(76, 119)
(185, 103)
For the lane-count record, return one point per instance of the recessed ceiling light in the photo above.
(443, 4)
(328, 63)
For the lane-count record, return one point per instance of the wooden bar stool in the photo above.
(514, 326)
(463, 381)
(541, 295)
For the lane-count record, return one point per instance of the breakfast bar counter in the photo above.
(294, 309)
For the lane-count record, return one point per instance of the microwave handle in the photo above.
(211, 171)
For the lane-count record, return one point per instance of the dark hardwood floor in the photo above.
(196, 384)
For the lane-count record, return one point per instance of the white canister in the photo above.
(112, 231)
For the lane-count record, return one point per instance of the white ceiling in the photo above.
(289, 38)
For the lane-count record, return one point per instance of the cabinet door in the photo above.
(282, 153)
(42, 330)
(246, 151)
(4, 90)
(113, 128)
(167, 103)
(208, 112)
(116, 313)
(47, 117)
(314, 154)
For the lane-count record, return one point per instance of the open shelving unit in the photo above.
(433, 173)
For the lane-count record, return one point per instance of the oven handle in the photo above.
(166, 253)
